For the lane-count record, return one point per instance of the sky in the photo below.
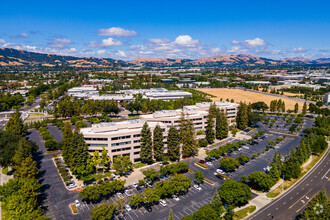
(128, 30)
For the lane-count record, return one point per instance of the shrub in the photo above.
(201, 165)
(51, 144)
(202, 142)
(5, 170)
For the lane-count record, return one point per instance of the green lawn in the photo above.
(244, 212)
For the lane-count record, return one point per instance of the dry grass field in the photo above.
(247, 96)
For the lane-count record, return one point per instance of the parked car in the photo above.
(128, 208)
(162, 202)
(209, 164)
(197, 187)
(135, 185)
(220, 171)
(138, 188)
(175, 198)
(148, 181)
(119, 195)
(77, 203)
(202, 161)
(148, 208)
(128, 193)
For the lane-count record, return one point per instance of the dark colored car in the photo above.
(202, 161)
(139, 189)
(148, 208)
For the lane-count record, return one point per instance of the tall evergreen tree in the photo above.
(158, 143)
(170, 215)
(304, 110)
(173, 143)
(15, 125)
(242, 116)
(189, 143)
(105, 159)
(210, 129)
(146, 144)
(221, 127)
(296, 107)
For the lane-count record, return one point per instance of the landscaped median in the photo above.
(203, 166)
(209, 181)
(73, 209)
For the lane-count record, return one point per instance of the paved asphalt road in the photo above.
(293, 202)
(56, 132)
(56, 198)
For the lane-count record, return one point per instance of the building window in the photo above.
(96, 139)
(137, 160)
(136, 153)
(120, 138)
(137, 141)
(137, 147)
(97, 145)
(121, 149)
(120, 143)
(137, 135)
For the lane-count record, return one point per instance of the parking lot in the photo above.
(280, 123)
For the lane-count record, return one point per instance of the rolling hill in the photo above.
(13, 57)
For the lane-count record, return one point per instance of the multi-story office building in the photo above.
(119, 138)
(123, 138)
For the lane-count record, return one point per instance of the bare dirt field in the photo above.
(247, 96)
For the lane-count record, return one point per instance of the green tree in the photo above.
(151, 195)
(209, 130)
(296, 107)
(216, 204)
(318, 207)
(105, 159)
(150, 174)
(205, 213)
(170, 215)
(158, 143)
(51, 144)
(146, 144)
(28, 169)
(95, 160)
(187, 133)
(199, 177)
(304, 109)
(122, 164)
(8, 147)
(103, 211)
(234, 193)
(24, 150)
(15, 125)
(221, 127)
(136, 199)
(243, 158)
(173, 144)
(260, 181)
(242, 116)
(228, 164)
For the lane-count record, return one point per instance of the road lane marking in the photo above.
(306, 202)
(300, 198)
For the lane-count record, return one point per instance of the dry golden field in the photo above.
(247, 96)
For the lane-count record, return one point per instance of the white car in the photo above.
(175, 198)
(209, 164)
(119, 195)
(135, 185)
(197, 187)
(72, 185)
(77, 203)
(220, 171)
(239, 149)
(162, 202)
(128, 193)
(128, 208)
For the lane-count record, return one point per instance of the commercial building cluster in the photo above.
(123, 138)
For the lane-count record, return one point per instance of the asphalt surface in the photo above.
(295, 200)
(54, 196)
(56, 132)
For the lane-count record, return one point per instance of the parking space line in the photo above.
(135, 214)
(141, 212)
(129, 215)
(176, 216)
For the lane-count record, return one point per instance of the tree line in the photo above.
(220, 129)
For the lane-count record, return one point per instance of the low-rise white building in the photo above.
(119, 138)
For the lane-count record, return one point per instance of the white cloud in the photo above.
(185, 40)
(298, 50)
(236, 49)
(2, 41)
(121, 53)
(106, 43)
(100, 52)
(24, 35)
(116, 32)
(21, 35)
(159, 41)
(257, 42)
(254, 43)
(59, 43)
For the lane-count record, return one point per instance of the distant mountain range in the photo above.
(13, 57)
